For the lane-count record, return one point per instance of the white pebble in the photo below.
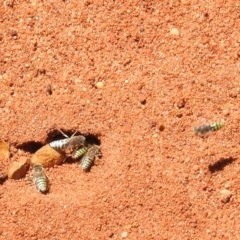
(174, 31)
(99, 85)
(225, 195)
(124, 234)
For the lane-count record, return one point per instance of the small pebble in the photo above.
(47, 156)
(225, 195)
(161, 127)
(181, 103)
(18, 170)
(179, 115)
(126, 62)
(174, 31)
(9, 3)
(4, 150)
(124, 234)
(14, 34)
(225, 112)
(99, 85)
(228, 184)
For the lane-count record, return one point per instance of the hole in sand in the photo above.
(30, 146)
(55, 134)
(92, 139)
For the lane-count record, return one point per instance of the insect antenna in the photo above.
(65, 135)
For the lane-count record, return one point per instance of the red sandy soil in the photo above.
(166, 67)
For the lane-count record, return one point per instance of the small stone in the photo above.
(161, 127)
(181, 103)
(142, 100)
(174, 31)
(19, 169)
(228, 184)
(99, 85)
(48, 156)
(179, 115)
(126, 62)
(225, 112)
(87, 3)
(14, 34)
(124, 234)
(233, 94)
(9, 3)
(4, 150)
(225, 195)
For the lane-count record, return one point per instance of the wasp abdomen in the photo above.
(59, 144)
(40, 179)
(41, 184)
(87, 162)
(80, 152)
(88, 159)
(216, 126)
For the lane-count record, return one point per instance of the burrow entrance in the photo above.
(55, 134)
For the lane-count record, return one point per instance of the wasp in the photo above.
(72, 143)
(80, 152)
(203, 129)
(40, 179)
(88, 159)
